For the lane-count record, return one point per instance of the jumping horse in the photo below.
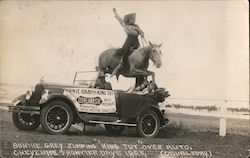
(137, 63)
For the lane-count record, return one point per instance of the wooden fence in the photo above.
(222, 114)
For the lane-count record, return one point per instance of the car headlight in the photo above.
(28, 94)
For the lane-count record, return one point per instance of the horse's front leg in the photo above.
(152, 74)
(139, 72)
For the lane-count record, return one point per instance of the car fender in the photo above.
(156, 110)
(19, 99)
(57, 96)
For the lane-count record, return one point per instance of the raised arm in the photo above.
(118, 18)
(128, 29)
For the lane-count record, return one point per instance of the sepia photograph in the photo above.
(127, 79)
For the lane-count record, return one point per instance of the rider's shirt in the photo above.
(131, 30)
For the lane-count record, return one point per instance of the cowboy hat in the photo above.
(126, 18)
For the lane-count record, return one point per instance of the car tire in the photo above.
(26, 122)
(114, 129)
(56, 117)
(148, 124)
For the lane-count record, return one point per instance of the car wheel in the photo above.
(27, 122)
(116, 130)
(56, 117)
(148, 124)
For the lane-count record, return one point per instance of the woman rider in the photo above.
(132, 30)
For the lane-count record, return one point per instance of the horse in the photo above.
(137, 64)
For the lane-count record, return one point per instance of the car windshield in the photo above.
(85, 78)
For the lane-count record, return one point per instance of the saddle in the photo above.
(118, 54)
(121, 67)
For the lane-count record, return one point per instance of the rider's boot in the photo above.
(121, 64)
(117, 69)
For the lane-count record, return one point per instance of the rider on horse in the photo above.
(132, 30)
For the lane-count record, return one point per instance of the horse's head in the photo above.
(155, 54)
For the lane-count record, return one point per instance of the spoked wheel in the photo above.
(116, 130)
(148, 124)
(56, 117)
(27, 122)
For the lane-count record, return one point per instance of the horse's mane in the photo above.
(144, 48)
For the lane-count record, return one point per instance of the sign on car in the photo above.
(92, 100)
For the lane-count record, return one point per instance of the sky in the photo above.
(205, 43)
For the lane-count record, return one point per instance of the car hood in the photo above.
(59, 88)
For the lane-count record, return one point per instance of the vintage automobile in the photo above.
(56, 107)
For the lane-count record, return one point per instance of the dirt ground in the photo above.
(185, 136)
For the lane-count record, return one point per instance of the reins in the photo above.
(143, 40)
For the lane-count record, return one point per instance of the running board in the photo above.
(113, 123)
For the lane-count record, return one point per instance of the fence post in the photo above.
(223, 118)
